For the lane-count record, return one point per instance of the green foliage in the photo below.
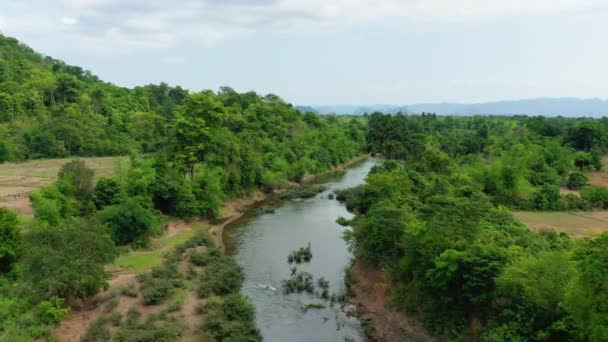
(4, 152)
(230, 320)
(223, 276)
(52, 206)
(130, 222)
(456, 256)
(52, 310)
(302, 254)
(577, 180)
(587, 297)
(159, 283)
(11, 241)
(76, 179)
(107, 192)
(597, 196)
(67, 260)
(97, 332)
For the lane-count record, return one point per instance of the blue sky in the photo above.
(331, 51)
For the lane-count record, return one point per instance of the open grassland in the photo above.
(576, 224)
(141, 260)
(17, 180)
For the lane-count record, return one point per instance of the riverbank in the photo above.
(369, 300)
(338, 168)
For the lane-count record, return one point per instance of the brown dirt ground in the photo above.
(369, 293)
(576, 224)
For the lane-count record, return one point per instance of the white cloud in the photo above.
(2, 23)
(69, 21)
(159, 24)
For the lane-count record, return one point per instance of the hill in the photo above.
(49, 109)
(570, 107)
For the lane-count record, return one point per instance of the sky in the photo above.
(331, 51)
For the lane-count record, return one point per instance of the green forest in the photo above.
(436, 216)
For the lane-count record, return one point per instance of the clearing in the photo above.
(576, 223)
(17, 180)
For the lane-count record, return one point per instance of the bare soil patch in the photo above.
(576, 224)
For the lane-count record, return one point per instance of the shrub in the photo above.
(129, 291)
(76, 179)
(107, 192)
(222, 277)
(231, 320)
(303, 254)
(130, 222)
(571, 202)
(577, 180)
(152, 331)
(597, 196)
(97, 332)
(159, 283)
(52, 311)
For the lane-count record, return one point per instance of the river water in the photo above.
(261, 243)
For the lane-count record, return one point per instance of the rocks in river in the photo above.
(350, 309)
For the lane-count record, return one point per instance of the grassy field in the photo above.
(17, 180)
(577, 224)
(141, 260)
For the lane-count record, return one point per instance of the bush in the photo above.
(222, 277)
(107, 192)
(130, 222)
(97, 332)
(151, 331)
(597, 196)
(51, 311)
(546, 198)
(576, 180)
(129, 291)
(159, 283)
(231, 320)
(76, 179)
(571, 202)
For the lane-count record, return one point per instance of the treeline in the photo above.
(521, 162)
(434, 216)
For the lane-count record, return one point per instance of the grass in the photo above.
(139, 261)
(48, 168)
(577, 224)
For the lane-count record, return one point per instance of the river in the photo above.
(261, 243)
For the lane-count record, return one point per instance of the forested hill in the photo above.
(49, 109)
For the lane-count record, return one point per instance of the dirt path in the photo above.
(369, 293)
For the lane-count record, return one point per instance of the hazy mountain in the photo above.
(541, 106)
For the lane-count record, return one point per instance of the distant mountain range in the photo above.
(565, 106)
